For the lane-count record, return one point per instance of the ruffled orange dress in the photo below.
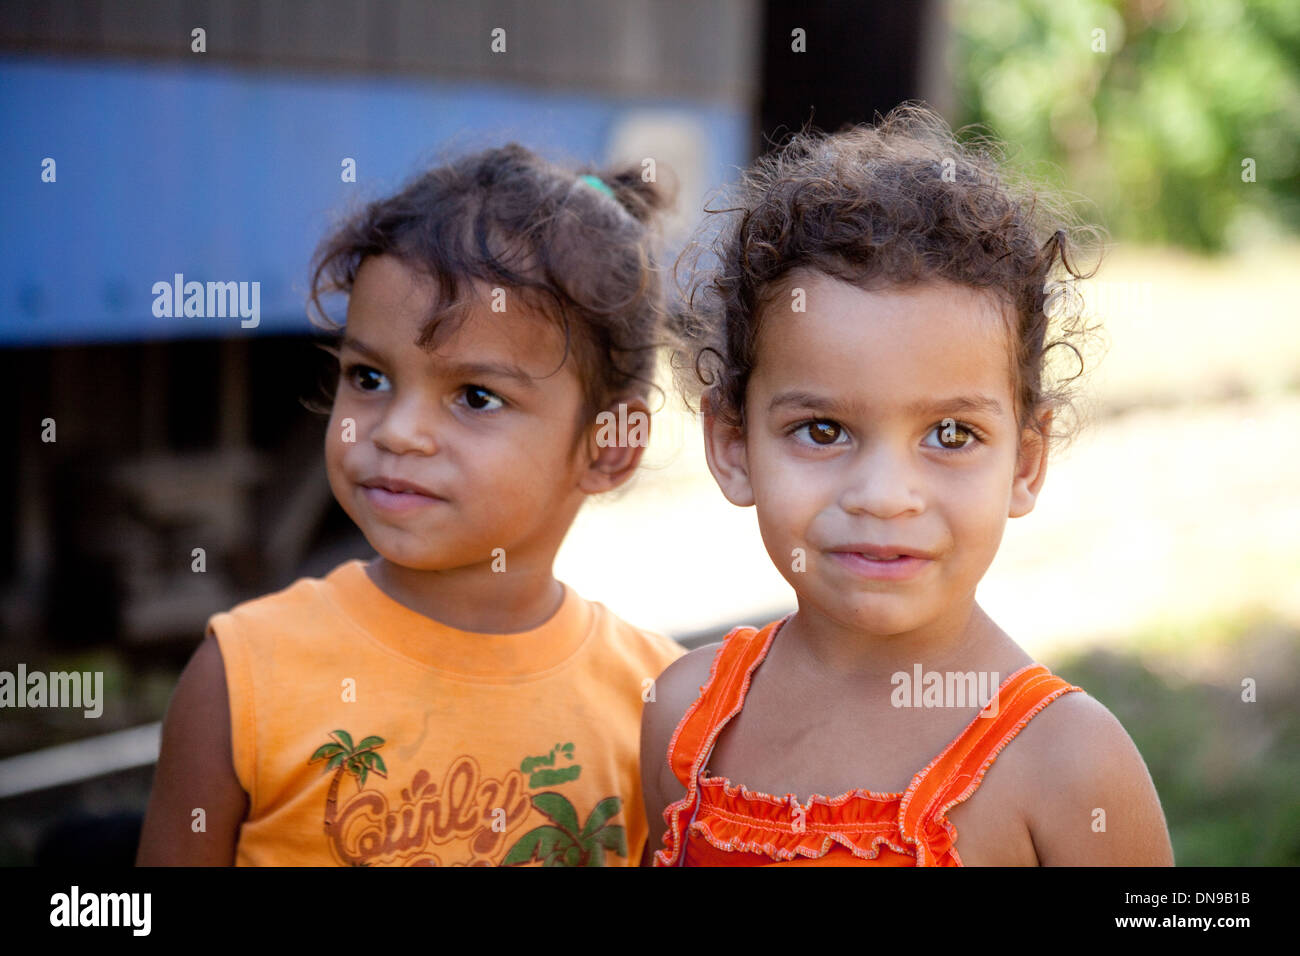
(718, 823)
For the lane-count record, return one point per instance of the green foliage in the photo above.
(1225, 769)
(1156, 125)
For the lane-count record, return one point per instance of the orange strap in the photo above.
(956, 773)
(740, 652)
(719, 697)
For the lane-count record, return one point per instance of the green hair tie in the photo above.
(595, 182)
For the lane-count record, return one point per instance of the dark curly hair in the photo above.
(894, 204)
(577, 246)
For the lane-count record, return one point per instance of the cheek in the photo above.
(335, 447)
(788, 496)
(977, 504)
(335, 451)
(507, 470)
(339, 452)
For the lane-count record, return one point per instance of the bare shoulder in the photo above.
(195, 770)
(1088, 797)
(681, 680)
(675, 690)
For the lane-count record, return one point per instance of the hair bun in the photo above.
(642, 198)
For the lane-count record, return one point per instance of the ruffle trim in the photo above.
(738, 838)
(740, 819)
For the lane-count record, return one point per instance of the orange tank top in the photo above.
(720, 824)
(366, 734)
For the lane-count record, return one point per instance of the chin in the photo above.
(881, 620)
(416, 559)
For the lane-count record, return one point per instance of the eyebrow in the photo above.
(454, 369)
(798, 398)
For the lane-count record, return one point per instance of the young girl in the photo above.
(448, 702)
(871, 358)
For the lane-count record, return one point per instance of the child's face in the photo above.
(485, 424)
(846, 448)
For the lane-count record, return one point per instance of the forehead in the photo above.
(889, 347)
(391, 304)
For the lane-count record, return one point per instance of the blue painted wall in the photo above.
(227, 175)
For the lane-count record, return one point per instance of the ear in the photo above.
(1031, 468)
(724, 448)
(615, 445)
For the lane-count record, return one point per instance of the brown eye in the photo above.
(823, 433)
(365, 378)
(953, 435)
(479, 398)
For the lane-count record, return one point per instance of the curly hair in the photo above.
(577, 246)
(895, 204)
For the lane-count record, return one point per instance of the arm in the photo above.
(675, 690)
(1088, 763)
(195, 769)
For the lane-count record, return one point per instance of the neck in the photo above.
(828, 650)
(474, 598)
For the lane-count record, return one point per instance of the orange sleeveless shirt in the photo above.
(721, 824)
(366, 734)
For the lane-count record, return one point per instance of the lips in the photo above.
(398, 486)
(900, 567)
(397, 496)
(884, 552)
(882, 562)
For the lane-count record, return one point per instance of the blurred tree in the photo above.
(1150, 107)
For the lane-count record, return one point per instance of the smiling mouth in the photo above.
(899, 567)
(397, 496)
(884, 554)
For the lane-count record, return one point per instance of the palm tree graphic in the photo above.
(563, 842)
(343, 758)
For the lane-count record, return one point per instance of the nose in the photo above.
(883, 483)
(406, 425)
